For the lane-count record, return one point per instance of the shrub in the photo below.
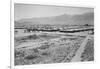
(32, 37)
(30, 57)
(19, 53)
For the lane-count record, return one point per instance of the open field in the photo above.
(52, 47)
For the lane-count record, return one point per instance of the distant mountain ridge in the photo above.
(87, 18)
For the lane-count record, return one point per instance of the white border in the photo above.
(12, 34)
(38, 66)
(55, 3)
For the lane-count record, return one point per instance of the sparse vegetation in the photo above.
(48, 52)
(51, 48)
(88, 54)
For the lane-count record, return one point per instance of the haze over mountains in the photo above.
(87, 18)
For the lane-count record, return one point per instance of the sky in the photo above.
(22, 11)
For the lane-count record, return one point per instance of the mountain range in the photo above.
(65, 19)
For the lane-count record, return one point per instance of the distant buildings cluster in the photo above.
(55, 28)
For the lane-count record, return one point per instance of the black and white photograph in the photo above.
(47, 34)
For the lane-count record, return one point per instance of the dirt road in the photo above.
(77, 57)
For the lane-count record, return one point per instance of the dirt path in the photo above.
(30, 45)
(77, 57)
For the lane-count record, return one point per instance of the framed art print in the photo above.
(48, 34)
